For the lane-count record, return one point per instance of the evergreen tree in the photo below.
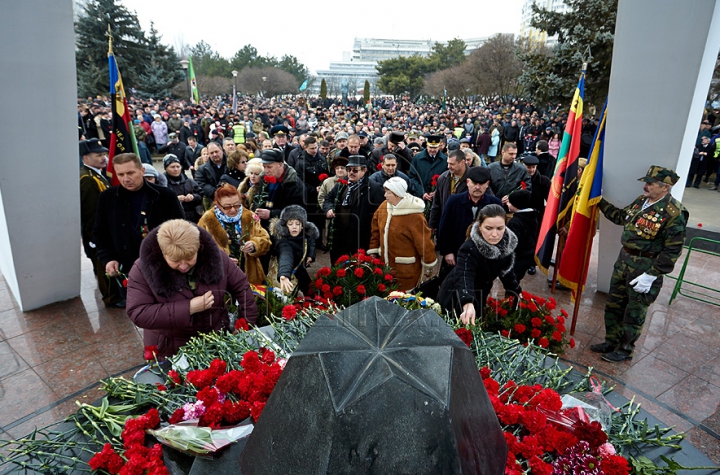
(366, 92)
(291, 65)
(323, 89)
(207, 62)
(447, 56)
(129, 45)
(163, 68)
(554, 76)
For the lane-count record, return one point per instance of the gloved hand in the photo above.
(643, 282)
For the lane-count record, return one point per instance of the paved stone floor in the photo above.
(51, 357)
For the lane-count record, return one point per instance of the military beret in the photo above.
(661, 174)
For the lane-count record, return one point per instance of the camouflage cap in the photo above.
(662, 174)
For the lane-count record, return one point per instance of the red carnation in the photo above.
(161, 387)
(361, 289)
(381, 287)
(465, 335)
(536, 322)
(388, 277)
(557, 336)
(337, 290)
(325, 288)
(572, 342)
(550, 319)
(535, 333)
(150, 352)
(342, 182)
(434, 179)
(270, 179)
(378, 271)
(324, 271)
(359, 272)
(290, 311)
(328, 295)
(485, 372)
(323, 177)
(505, 333)
(177, 416)
(342, 259)
(341, 273)
(523, 185)
(174, 376)
(379, 166)
(124, 283)
(544, 343)
(242, 324)
(519, 328)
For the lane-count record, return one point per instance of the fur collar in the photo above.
(166, 282)
(504, 248)
(408, 205)
(279, 229)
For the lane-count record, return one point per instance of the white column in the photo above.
(39, 187)
(663, 61)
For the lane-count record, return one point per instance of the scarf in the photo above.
(347, 200)
(227, 221)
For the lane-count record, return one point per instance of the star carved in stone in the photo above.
(359, 352)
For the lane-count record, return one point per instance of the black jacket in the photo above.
(177, 149)
(540, 190)
(455, 219)
(233, 177)
(525, 226)
(308, 170)
(183, 186)
(290, 192)
(352, 225)
(478, 265)
(117, 238)
(290, 251)
(404, 160)
(208, 177)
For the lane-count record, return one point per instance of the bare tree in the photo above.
(267, 82)
(494, 68)
(207, 86)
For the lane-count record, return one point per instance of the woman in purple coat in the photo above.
(177, 287)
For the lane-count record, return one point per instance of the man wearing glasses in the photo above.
(351, 205)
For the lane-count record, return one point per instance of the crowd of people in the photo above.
(272, 182)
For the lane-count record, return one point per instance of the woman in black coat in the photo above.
(187, 190)
(486, 255)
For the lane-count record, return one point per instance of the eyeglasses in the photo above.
(229, 207)
(354, 169)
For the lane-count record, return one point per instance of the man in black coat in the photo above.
(281, 187)
(459, 213)
(127, 213)
(525, 226)
(540, 185)
(396, 145)
(351, 206)
(452, 181)
(208, 175)
(279, 134)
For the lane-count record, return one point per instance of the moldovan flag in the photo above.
(122, 135)
(574, 265)
(195, 99)
(564, 181)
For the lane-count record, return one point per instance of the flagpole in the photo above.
(584, 269)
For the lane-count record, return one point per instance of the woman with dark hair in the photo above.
(236, 164)
(237, 232)
(177, 287)
(485, 256)
(187, 190)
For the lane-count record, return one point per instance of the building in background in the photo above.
(359, 65)
(533, 34)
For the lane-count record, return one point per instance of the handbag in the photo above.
(272, 278)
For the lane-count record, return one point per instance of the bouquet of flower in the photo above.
(433, 187)
(413, 302)
(354, 278)
(540, 446)
(533, 320)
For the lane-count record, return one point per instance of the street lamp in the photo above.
(185, 63)
(234, 73)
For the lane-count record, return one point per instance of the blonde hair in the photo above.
(254, 165)
(178, 239)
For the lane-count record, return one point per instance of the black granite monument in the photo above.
(378, 389)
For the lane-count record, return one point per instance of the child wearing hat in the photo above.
(525, 226)
(294, 239)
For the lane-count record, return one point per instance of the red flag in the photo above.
(564, 181)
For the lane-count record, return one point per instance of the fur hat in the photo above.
(279, 227)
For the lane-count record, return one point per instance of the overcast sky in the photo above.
(318, 32)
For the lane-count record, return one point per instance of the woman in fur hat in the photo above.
(177, 286)
(248, 187)
(400, 235)
(489, 253)
(237, 232)
(295, 247)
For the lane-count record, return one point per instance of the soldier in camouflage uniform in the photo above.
(652, 239)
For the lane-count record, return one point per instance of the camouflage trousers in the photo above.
(626, 309)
